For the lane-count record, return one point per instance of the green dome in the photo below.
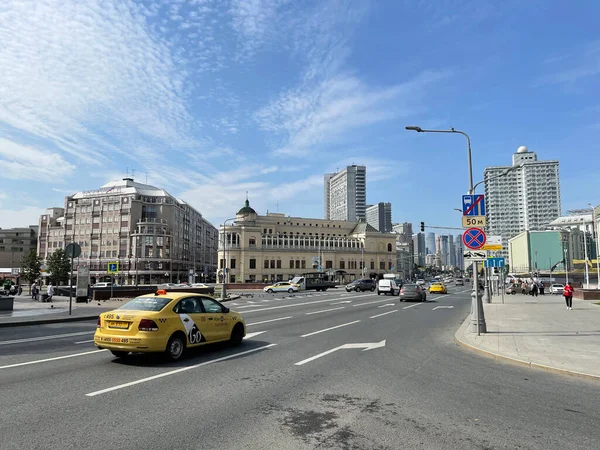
(247, 209)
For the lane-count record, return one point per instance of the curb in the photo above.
(47, 321)
(517, 361)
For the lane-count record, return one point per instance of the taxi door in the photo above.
(218, 321)
(189, 310)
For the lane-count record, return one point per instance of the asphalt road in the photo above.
(288, 388)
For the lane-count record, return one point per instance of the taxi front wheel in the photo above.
(175, 348)
(237, 334)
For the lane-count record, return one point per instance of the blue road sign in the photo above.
(113, 267)
(494, 262)
(473, 205)
(474, 238)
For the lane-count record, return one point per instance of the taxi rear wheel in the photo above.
(237, 334)
(175, 347)
(269, 291)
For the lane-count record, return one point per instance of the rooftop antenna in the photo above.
(246, 195)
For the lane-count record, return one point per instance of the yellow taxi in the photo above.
(438, 288)
(168, 323)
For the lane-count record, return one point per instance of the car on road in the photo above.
(199, 285)
(387, 286)
(414, 292)
(459, 282)
(102, 285)
(438, 288)
(512, 289)
(282, 286)
(365, 284)
(168, 323)
(420, 282)
(556, 288)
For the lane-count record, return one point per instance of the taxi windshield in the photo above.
(146, 304)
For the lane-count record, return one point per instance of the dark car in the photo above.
(361, 285)
(413, 292)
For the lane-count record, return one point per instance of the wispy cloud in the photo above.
(584, 64)
(20, 162)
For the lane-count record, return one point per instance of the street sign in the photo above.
(494, 262)
(473, 205)
(316, 261)
(73, 250)
(470, 221)
(475, 256)
(15, 272)
(493, 243)
(113, 267)
(474, 238)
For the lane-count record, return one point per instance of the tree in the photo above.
(31, 266)
(59, 266)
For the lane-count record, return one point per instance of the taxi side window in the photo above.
(188, 306)
(210, 306)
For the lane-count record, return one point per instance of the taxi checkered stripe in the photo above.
(161, 319)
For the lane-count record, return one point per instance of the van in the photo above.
(387, 286)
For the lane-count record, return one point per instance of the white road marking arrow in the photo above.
(387, 304)
(256, 333)
(442, 307)
(365, 347)
(343, 301)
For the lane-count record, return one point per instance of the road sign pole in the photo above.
(71, 287)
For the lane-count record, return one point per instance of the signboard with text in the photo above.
(493, 243)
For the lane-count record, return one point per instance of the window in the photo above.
(389, 247)
(342, 265)
(272, 264)
(232, 264)
(221, 263)
(382, 265)
(297, 264)
(266, 266)
(291, 263)
(210, 306)
(372, 265)
(253, 263)
(329, 264)
(252, 242)
(279, 264)
(303, 264)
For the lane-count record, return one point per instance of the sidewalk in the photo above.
(31, 312)
(540, 332)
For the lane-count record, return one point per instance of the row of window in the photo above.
(301, 264)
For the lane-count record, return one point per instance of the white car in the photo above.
(556, 288)
(199, 285)
(420, 282)
(387, 286)
(282, 286)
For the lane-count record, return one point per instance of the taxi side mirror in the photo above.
(225, 309)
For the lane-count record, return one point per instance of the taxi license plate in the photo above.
(122, 325)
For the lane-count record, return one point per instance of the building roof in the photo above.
(124, 186)
(246, 210)
(364, 227)
(574, 220)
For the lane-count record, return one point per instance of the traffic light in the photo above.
(422, 226)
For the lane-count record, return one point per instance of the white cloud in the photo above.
(585, 64)
(20, 162)
(28, 215)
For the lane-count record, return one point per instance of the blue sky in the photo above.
(209, 99)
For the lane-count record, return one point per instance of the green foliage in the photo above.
(31, 265)
(59, 266)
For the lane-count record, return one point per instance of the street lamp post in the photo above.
(225, 270)
(477, 315)
(595, 234)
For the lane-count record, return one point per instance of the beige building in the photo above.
(155, 237)
(15, 243)
(277, 247)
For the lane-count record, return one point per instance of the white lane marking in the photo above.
(45, 338)
(365, 347)
(331, 328)
(343, 301)
(441, 306)
(267, 321)
(387, 304)
(84, 342)
(325, 310)
(37, 361)
(385, 313)
(371, 303)
(176, 371)
(246, 306)
(300, 304)
(411, 306)
(251, 335)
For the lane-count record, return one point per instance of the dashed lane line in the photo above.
(384, 314)
(46, 338)
(324, 310)
(267, 321)
(38, 361)
(330, 328)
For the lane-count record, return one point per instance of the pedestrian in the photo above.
(50, 292)
(542, 287)
(19, 290)
(34, 291)
(534, 289)
(568, 294)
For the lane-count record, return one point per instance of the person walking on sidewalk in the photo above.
(50, 292)
(542, 287)
(568, 294)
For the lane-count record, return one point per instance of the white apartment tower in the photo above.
(527, 198)
(379, 216)
(346, 194)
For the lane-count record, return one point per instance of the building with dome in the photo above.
(155, 237)
(525, 199)
(276, 247)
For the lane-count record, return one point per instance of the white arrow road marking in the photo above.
(331, 328)
(365, 346)
(411, 306)
(325, 310)
(387, 304)
(45, 338)
(37, 361)
(442, 307)
(173, 372)
(343, 301)
(256, 333)
(384, 314)
(267, 321)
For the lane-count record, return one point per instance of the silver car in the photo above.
(413, 292)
